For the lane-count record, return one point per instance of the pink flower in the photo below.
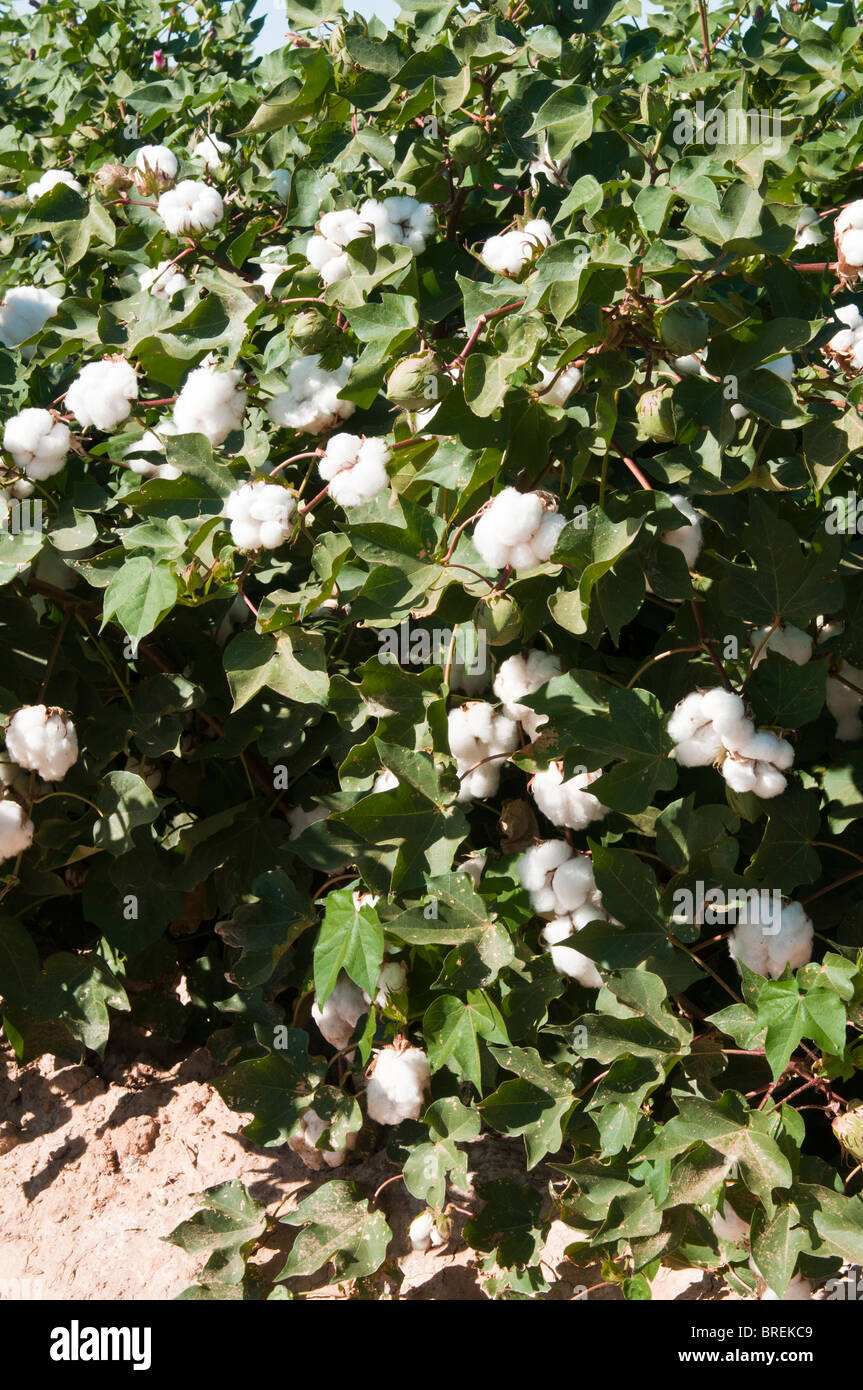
(158, 59)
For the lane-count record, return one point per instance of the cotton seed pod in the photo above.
(684, 328)
(313, 331)
(848, 1129)
(416, 381)
(112, 178)
(656, 415)
(466, 145)
(499, 619)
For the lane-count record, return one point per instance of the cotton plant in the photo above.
(519, 529)
(311, 403)
(508, 253)
(480, 740)
(190, 207)
(768, 946)
(713, 727)
(354, 468)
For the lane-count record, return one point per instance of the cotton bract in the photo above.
(567, 803)
(355, 468)
(16, 830)
(211, 403)
(479, 735)
(191, 207)
(49, 180)
(397, 1086)
(759, 946)
(25, 309)
(509, 252)
(37, 442)
(102, 393)
(517, 530)
(42, 739)
(310, 403)
(524, 675)
(260, 515)
(163, 282)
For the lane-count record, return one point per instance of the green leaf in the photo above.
(139, 596)
(338, 1225)
(275, 1089)
(452, 1029)
(226, 1232)
(350, 939)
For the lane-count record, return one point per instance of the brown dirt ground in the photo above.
(99, 1168)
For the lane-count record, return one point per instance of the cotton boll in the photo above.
(24, 311)
(545, 538)
(260, 515)
(16, 830)
(385, 781)
(844, 703)
(341, 1012)
(851, 216)
(304, 1144)
(191, 207)
(536, 869)
(43, 740)
(397, 1086)
(691, 364)
(799, 1289)
(156, 159)
(563, 387)
(807, 232)
(686, 539)
(429, 1231)
(299, 819)
(852, 248)
(688, 717)
(163, 282)
(479, 735)
(37, 442)
(400, 221)
(102, 393)
(271, 268)
(567, 803)
(524, 675)
(517, 530)
(210, 149)
(509, 252)
(392, 980)
(565, 959)
(787, 640)
(473, 866)
(759, 947)
(326, 251)
(49, 180)
(354, 468)
(152, 442)
(310, 403)
(211, 403)
(727, 1225)
(783, 367)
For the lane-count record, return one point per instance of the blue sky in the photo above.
(273, 33)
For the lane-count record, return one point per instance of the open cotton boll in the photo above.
(152, 442)
(163, 282)
(565, 959)
(848, 234)
(524, 675)
(326, 251)
(310, 402)
(799, 1289)
(102, 393)
(761, 948)
(49, 180)
(509, 252)
(690, 364)
(727, 1225)
(157, 159)
(271, 268)
(846, 346)
(567, 803)
(42, 739)
(698, 722)
(477, 732)
(397, 1086)
(807, 232)
(844, 703)
(755, 761)
(354, 468)
(304, 1144)
(400, 221)
(563, 387)
(37, 442)
(787, 640)
(211, 403)
(429, 1231)
(473, 866)
(16, 830)
(260, 515)
(392, 980)
(210, 149)
(300, 819)
(24, 310)
(536, 870)
(341, 1012)
(518, 530)
(686, 539)
(191, 206)
(385, 781)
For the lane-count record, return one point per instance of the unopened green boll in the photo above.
(684, 328)
(656, 415)
(416, 381)
(499, 618)
(848, 1129)
(466, 145)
